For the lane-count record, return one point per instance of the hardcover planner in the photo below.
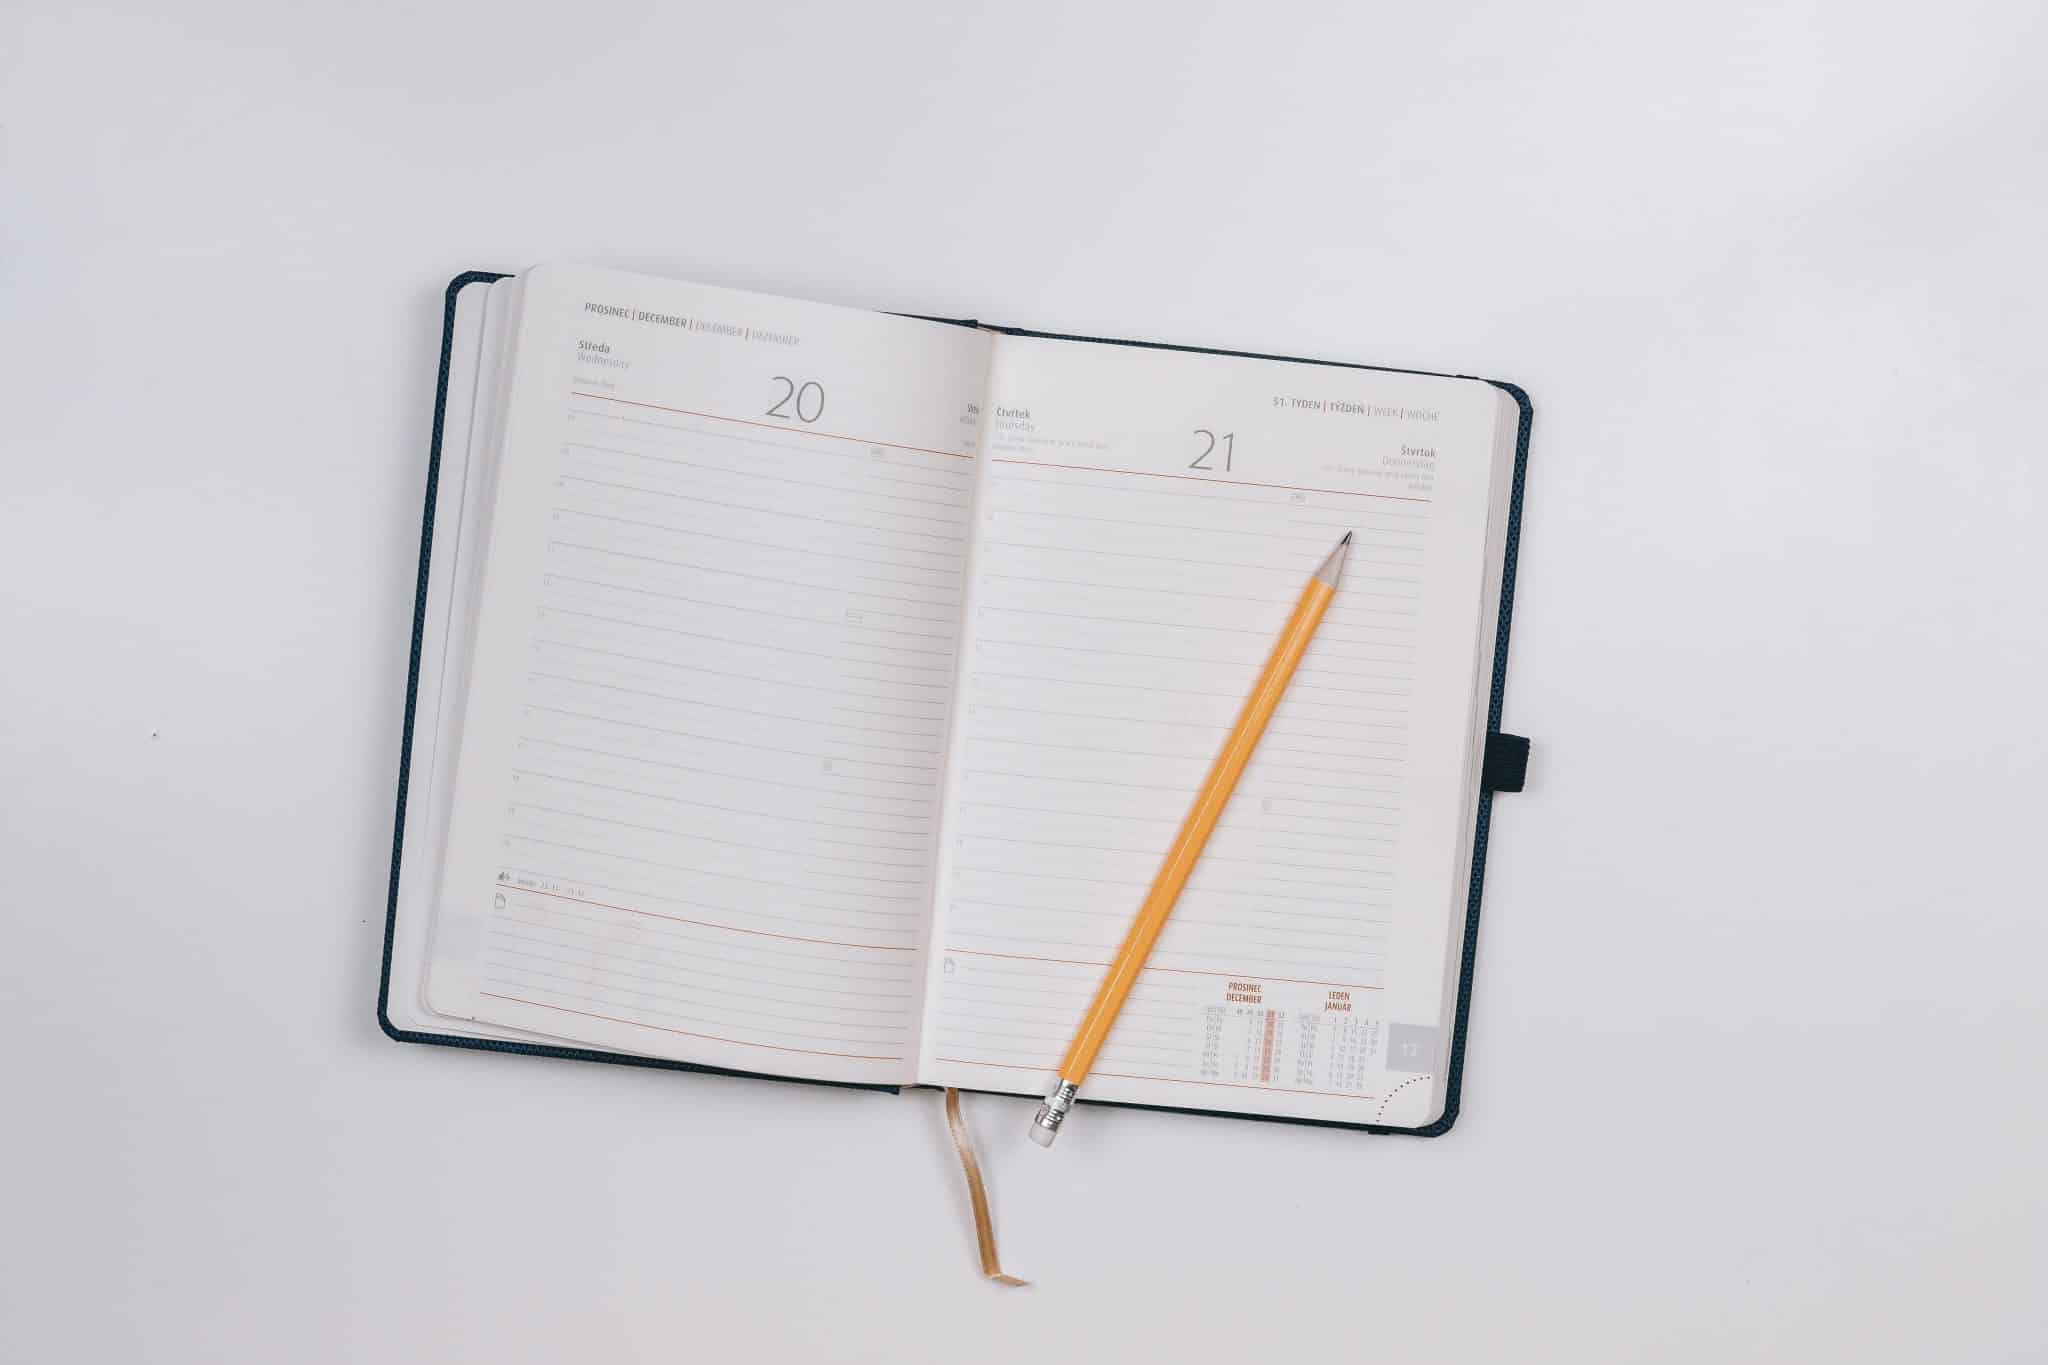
(806, 692)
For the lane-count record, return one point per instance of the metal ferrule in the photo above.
(1051, 1114)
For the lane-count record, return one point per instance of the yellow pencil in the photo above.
(1187, 845)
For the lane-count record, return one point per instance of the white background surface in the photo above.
(1758, 1043)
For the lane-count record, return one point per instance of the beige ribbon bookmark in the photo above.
(984, 1226)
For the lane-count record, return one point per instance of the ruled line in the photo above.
(1011, 509)
(1150, 965)
(769, 426)
(1183, 971)
(763, 578)
(767, 715)
(695, 967)
(1205, 563)
(746, 777)
(776, 957)
(1223, 826)
(781, 816)
(1190, 478)
(752, 609)
(1211, 727)
(1207, 856)
(776, 511)
(745, 644)
(799, 855)
(714, 875)
(780, 478)
(658, 979)
(702, 924)
(663, 1028)
(747, 744)
(754, 442)
(753, 677)
(775, 547)
(1239, 920)
(1247, 664)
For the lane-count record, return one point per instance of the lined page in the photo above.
(698, 787)
(1146, 523)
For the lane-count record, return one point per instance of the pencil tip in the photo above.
(1333, 564)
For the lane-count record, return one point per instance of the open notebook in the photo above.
(810, 692)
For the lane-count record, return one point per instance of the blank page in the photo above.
(479, 361)
(1147, 520)
(477, 333)
(702, 754)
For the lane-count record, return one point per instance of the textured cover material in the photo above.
(1505, 761)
